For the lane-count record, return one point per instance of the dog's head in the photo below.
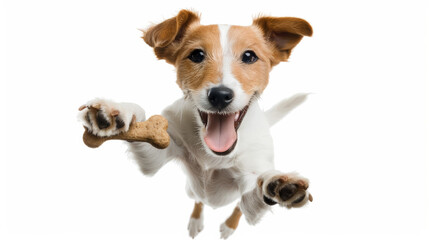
(221, 68)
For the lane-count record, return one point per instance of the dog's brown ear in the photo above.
(165, 37)
(284, 33)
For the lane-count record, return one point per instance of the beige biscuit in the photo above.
(153, 131)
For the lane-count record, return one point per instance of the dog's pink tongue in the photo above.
(220, 132)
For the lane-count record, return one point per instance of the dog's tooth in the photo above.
(237, 115)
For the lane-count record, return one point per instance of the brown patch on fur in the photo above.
(260, 182)
(198, 208)
(194, 76)
(175, 38)
(233, 220)
(165, 37)
(253, 77)
(284, 33)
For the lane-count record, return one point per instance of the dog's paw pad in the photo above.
(289, 190)
(104, 118)
(101, 120)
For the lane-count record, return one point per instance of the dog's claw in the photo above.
(114, 113)
(95, 106)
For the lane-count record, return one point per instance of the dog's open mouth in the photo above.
(221, 130)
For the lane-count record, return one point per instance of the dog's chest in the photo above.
(215, 187)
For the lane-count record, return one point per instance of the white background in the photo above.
(361, 138)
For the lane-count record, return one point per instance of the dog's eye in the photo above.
(249, 57)
(197, 56)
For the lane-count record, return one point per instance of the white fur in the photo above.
(195, 226)
(252, 207)
(240, 97)
(225, 231)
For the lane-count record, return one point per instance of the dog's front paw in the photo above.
(106, 118)
(286, 189)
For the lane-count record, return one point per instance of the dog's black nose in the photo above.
(220, 97)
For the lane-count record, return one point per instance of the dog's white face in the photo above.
(222, 68)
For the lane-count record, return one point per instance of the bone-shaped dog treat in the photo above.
(153, 131)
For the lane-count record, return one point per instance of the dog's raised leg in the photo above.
(196, 222)
(228, 227)
(273, 187)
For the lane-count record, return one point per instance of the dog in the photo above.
(218, 131)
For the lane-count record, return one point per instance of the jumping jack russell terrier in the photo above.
(218, 131)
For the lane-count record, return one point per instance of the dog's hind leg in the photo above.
(228, 227)
(196, 222)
